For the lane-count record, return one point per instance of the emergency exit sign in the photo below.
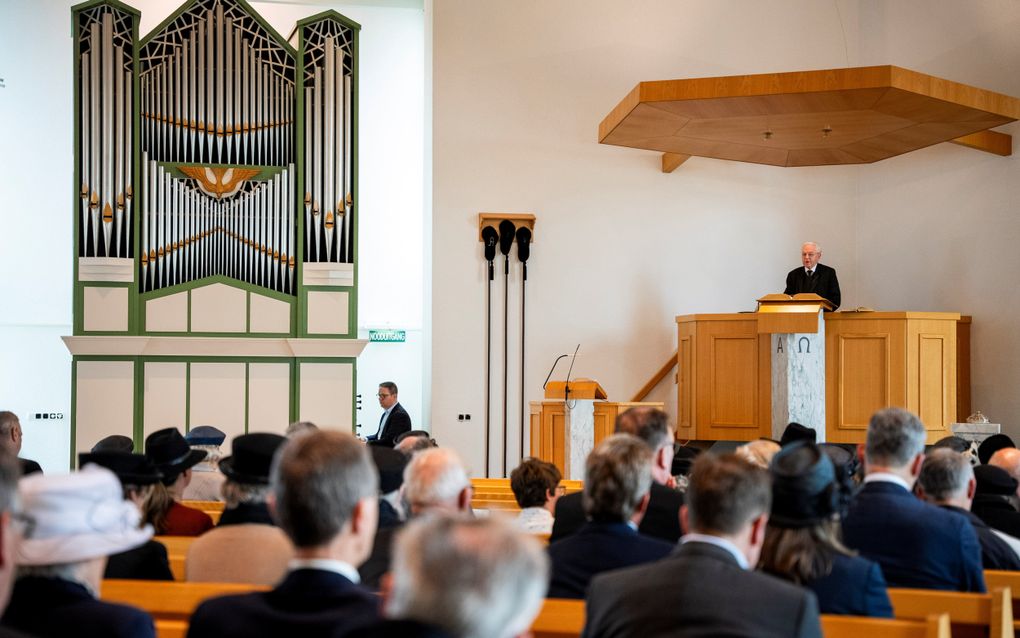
(387, 336)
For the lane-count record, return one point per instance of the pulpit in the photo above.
(574, 417)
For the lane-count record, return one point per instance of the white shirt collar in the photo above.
(718, 542)
(327, 565)
(886, 477)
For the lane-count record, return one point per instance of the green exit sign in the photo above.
(387, 336)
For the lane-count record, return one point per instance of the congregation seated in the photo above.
(917, 544)
(802, 540)
(705, 587)
(458, 577)
(246, 546)
(947, 480)
(991, 445)
(535, 484)
(299, 428)
(174, 458)
(73, 522)
(390, 465)
(137, 475)
(206, 478)
(993, 499)
(325, 490)
(434, 482)
(617, 478)
(661, 519)
(414, 441)
(10, 440)
(758, 452)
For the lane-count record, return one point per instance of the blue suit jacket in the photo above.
(854, 587)
(51, 607)
(916, 544)
(310, 603)
(597, 548)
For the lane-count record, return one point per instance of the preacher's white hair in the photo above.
(817, 246)
(213, 453)
(475, 578)
(434, 477)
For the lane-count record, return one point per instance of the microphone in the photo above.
(506, 241)
(490, 237)
(549, 376)
(523, 243)
(566, 386)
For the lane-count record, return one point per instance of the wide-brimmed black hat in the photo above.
(390, 464)
(170, 453)
(797, 432)
(252, 458)
(131, 469)
(992, 479)
(993, 444)
(804, 488)
(205, 435)
(683, 459)
(115, 443)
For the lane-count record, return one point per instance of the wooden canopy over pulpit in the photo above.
(574, 417)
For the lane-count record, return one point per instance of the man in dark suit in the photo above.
(917, 544)
(10, 439)
(394, 420)
(326, 502)
(706, 587)
(813, 276)
(993, 499)
(661, 518)
(947, 480)
(617, 476)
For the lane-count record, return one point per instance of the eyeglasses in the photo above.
(383, 395)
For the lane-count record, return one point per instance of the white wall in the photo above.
(36, 147)
(621, 249)
(938, 229)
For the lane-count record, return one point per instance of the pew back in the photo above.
(988, 614)
(934, 626)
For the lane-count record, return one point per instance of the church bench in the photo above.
(171, 628)
(996, 578)
(176, 552)
(559, 618)
(934, 626)
(168, 600)
(988, 614)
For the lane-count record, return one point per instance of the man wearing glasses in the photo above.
(394, 421)
(813, 276)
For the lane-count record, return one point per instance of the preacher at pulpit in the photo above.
(813, 276)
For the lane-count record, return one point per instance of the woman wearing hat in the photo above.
(802, 539)
(72, 522)
(137, 476)
(174, 458)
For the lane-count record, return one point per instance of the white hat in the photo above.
(76, 517)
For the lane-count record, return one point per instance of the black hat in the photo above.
(205, 435)
(993, 444)
(953, 443)
(170, 453)
(252, 458)
(804, 489)
(390, 464)
(683, 459)
(992, 479)
(131, 469)
(115, 443)
(797, 432)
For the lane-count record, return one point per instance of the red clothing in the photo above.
(182, 520)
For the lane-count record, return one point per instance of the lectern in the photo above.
(798, 359)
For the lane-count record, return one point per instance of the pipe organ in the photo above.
(215, 197)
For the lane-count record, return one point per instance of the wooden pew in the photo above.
(988, 614)
(996, 578)
(934, 626)
(176, 552)
(559, 618)
(171, 628)
(213, 508)
(168, 600)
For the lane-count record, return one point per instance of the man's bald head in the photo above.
(1008, 459)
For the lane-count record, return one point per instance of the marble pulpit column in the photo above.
(798, 380)
(578, 436)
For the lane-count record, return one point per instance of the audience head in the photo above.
(10, 432)
(414, 441)
(895, 443)
(136, 473)
(947, 478)
(298, 428)
(435, 480)
(994, 481)
(325, 489)
(114, 443)
(993, 444)
(652, 426)
(1007, 458)
(390, 466)
(534, 483)
(207, 439)
(76, 521)
(797, 432)
(9, 474)
(247, 469)
(172, 456)
(617, 478)
(473, 578)
(803, 528)
(728, 497)
(758, 452)
(954, 443)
